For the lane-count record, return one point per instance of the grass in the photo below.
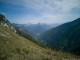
(15, 47)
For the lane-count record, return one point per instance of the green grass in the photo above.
(15, 47)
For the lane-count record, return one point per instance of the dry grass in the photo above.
(15, 47)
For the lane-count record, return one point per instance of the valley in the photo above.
(13, 46)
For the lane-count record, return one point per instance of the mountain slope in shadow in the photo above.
(65, 37)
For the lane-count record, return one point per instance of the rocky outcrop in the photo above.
(4, 22)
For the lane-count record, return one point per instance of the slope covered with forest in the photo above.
(64, 37)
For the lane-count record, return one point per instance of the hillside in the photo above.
(15, 47)
(64, 37)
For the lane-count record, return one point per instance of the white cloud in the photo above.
(51, 10)
(48, 19)
(47, 6)
(52, 6)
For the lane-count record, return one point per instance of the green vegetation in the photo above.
(16, 47)
(65, 37)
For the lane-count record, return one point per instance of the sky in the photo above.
(40, 11)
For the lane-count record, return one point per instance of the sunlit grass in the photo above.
(15, 47)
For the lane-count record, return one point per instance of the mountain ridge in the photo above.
(64, 37)
(15, 47)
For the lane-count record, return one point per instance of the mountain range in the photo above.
(15, 46)
(35, 29)
(65, 37)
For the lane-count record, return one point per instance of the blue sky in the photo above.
(40, 11)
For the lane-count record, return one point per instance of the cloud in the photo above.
(47, 6)
(48, 19)
(53, 6)
(50, 10)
